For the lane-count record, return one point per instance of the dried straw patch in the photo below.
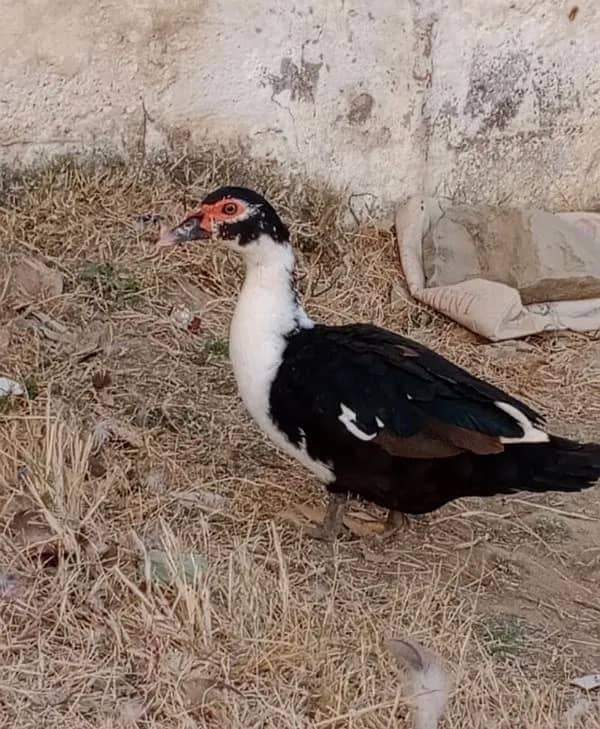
(133, 440)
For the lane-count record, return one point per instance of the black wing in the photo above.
(361, 382)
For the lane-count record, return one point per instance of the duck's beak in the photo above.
(194, 227)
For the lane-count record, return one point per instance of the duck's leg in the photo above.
(333, 520)
(397, 521)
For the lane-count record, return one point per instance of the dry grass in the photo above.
(277, 631)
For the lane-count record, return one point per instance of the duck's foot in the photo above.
(332, 524)
(396, 522)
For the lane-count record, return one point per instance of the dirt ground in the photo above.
(152, 572)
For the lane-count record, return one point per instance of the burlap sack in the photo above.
(502, 272)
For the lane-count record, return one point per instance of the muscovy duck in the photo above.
(371, 413)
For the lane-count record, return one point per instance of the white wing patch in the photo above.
(531, 434)
(348, 418)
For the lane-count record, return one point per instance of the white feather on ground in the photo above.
(428, 681)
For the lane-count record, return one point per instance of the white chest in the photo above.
(266, 311)
(256, 353)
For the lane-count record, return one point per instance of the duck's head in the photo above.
(236, 216)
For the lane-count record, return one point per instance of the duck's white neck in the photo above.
(267, 311)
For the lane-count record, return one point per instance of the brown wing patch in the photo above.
(419, 445)
(439, 440)
(463, 438)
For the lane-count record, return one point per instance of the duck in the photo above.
(371, 413)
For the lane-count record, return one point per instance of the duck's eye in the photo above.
(230, 208)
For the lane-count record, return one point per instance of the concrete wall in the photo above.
(484, 99)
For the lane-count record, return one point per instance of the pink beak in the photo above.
(188, 230)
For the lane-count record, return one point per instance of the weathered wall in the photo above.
(479, 98)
